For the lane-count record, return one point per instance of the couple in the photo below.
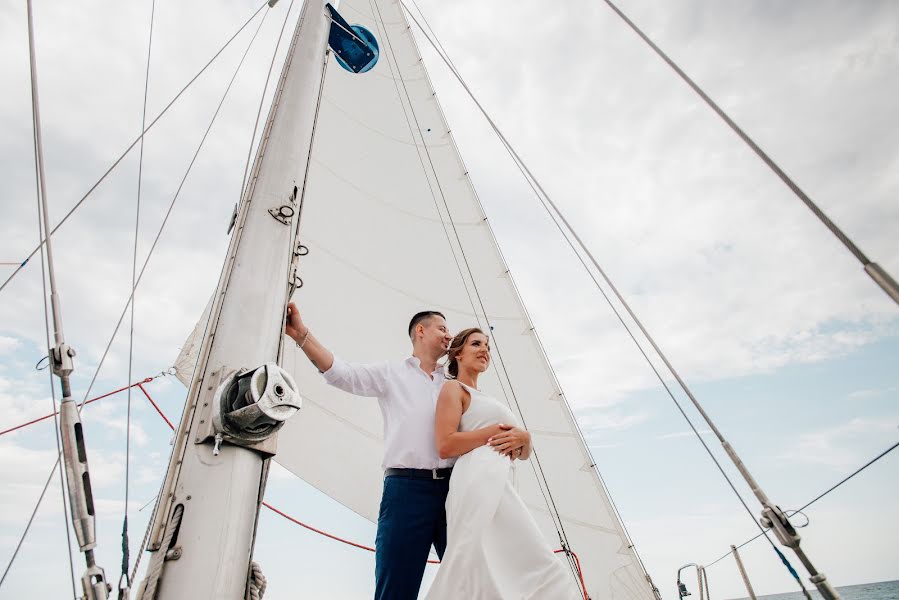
(438, 423)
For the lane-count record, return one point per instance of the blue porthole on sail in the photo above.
(354, 46)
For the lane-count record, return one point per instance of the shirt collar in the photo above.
(414, 361)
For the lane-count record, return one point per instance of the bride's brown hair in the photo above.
(455, 347)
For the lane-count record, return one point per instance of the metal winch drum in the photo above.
(251, 405)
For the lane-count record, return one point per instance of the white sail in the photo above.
(393, 226)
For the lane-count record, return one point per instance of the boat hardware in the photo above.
(283, 214)
(251, 405)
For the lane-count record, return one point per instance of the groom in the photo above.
(416, 480)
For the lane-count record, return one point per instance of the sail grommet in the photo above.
(249, 406)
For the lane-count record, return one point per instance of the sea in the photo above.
(884, 590)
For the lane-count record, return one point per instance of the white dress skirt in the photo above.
(494, 548)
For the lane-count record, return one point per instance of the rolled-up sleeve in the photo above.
(358, 379)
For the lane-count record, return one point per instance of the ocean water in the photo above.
(884, 590)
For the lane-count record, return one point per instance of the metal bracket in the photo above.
(283, 214)
(173, 553)
(61, 357)
(773, 517)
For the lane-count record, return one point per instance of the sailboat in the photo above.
(379, 174)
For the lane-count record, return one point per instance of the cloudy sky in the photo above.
(786, 341)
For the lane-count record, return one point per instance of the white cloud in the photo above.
(8, 344)
(837, 447)
(867, 393)
(682, 434)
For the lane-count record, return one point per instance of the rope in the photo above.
(126, 551)
(258, 582)
(807, 504)
(167, 539)
(39, 419)
(846, 241)
(296, 521)
(133, 144)
(155, 568)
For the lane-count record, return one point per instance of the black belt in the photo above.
(420, 473)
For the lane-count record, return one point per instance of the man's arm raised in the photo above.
(358, 379)
(320, 356)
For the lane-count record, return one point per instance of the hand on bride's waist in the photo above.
(511, 441)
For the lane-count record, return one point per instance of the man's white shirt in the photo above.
(408, 400)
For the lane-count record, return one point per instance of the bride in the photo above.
(494, 548)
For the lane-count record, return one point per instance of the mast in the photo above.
(204, 528)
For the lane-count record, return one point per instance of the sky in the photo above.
(788, 344)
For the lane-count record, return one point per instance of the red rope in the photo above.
(580, 573)
(38, 420)
(266, 504)
(156, 406)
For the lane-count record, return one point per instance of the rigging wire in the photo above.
(126, 550)
(536, 465)
(133, 144)
(556, 215)
(825, 493)
(37, 505)
(435, 42)
(46, 269)
(244, 182)
(47, 272)
(152, 249)
(589, 452)
(881, 277)
(56, 432)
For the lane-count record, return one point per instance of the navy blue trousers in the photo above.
(412, 518)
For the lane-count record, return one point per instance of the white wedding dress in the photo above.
(494, 549)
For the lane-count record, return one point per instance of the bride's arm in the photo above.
(450, 441)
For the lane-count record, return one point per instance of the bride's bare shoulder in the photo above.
(455, 391)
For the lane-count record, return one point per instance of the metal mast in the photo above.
(74, 450)
(204, 528)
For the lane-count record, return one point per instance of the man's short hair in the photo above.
(423, 316)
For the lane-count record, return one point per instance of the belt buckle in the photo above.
(434, 474)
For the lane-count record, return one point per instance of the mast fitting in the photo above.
(62, 356)
(249, 406)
